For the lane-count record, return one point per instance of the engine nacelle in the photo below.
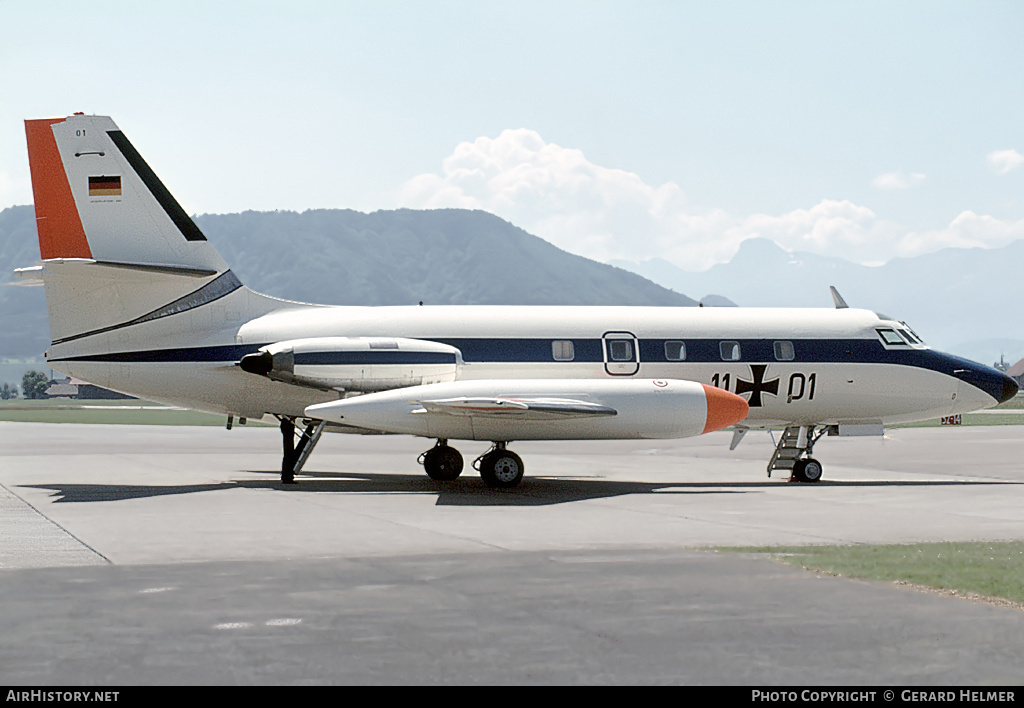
(363, 364)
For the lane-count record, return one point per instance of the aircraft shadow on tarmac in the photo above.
(469, 491)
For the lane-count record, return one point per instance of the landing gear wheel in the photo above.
(442, 463)
(807, 470)
(501, 469)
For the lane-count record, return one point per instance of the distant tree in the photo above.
(34, 384)
(7, 392)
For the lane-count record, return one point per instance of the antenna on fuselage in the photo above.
(837, 298)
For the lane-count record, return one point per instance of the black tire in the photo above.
(812, 471)
(807, 471)
(501, 469)
(442, 463)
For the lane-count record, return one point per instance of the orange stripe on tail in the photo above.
(60, 227)
(724, 408)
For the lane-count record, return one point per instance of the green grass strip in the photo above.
(992, 569)
(106, 412)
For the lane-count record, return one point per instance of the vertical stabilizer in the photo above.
(97, 198)
(123, 264)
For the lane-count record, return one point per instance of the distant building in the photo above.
(1016, 372)
(61, 389)
(92, 392)
(75, 388)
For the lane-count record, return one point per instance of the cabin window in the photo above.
(784, 351)
(890, 336)
(620, 350)
(730, 351)
(561, 350)
(675, 351)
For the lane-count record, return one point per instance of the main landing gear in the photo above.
(794, 453)
(442, 462)
(499, 468)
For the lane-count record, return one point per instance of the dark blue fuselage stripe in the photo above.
(513, 351)
(652, 351)
(382, 356)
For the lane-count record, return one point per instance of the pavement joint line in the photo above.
(50, 521)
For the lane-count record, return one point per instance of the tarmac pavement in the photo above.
(172, 555)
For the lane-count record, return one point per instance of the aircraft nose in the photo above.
(992, 381)
(724, 408)
(1010, 389)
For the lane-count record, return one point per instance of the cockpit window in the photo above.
(890, 336)
(914, 337)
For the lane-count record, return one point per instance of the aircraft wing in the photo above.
(524, 409)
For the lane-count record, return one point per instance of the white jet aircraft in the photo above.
(140, 302)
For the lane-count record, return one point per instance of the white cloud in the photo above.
(554, 192)
(605, 213)
(967, 230)
(897, 180)
(1004, 161)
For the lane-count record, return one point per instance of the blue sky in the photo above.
(866, 130)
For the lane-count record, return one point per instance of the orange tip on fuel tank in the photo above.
(724, 408)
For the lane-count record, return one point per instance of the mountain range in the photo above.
(344, 257)
(961, 301)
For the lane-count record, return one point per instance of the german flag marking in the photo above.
(105, 186)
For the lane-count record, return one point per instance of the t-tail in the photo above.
(124, 266)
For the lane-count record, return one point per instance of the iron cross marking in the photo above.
(758, 385)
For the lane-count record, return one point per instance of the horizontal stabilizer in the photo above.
(522, 409)
(32, 274)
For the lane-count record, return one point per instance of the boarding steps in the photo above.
(790, 448)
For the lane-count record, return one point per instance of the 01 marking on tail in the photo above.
(140, 302)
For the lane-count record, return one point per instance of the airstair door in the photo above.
(621, 354)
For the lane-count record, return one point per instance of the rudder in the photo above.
(60, 228)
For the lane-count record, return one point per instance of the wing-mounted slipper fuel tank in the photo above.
(542, 409)
(363, 364)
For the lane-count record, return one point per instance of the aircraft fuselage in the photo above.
(793, 366)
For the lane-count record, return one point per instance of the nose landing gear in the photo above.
(807, 470)
(793, 453)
